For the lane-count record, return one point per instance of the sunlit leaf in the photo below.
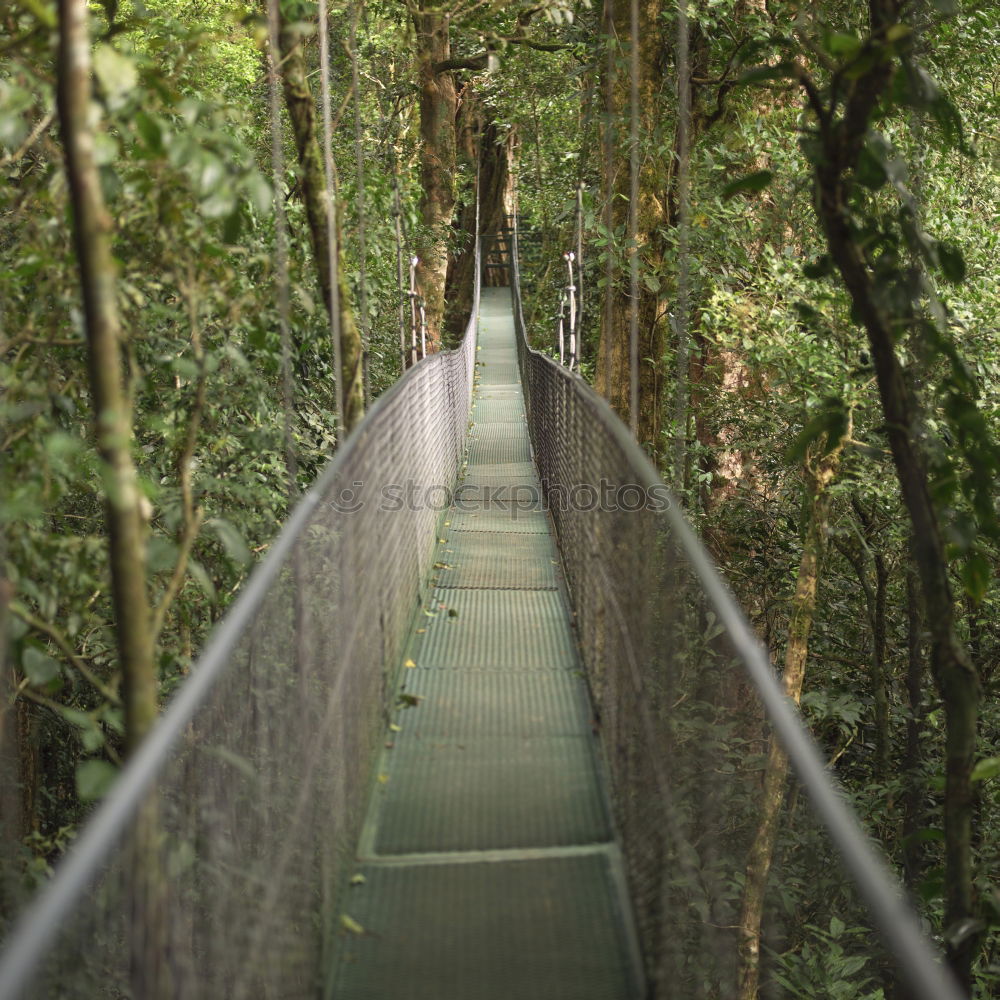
(202, 578)
(841, 45)
(987, 768)
(116, 73)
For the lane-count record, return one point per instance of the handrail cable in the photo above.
(551, 391)
(365, 614)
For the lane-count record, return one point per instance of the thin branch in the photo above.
(481, 60)
(540, 46)
(840, 753)
(52, 632)
(193, 516)
(477, 62)
(813, 96)
(188, 537)
(56, 709)
(33, 137)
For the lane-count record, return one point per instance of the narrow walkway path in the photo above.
(488, 865)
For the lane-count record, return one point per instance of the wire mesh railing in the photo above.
(687, 703)
(214, 866)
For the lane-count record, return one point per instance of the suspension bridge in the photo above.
(485, 723)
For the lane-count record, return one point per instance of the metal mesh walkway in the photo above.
(243, 854)
(487, 863)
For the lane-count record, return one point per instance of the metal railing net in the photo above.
(680, 687)
(213, 867)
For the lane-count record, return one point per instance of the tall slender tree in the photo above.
(652, 214)
(125, 504)
(843, 151)
(438, 157)
(820, 470)
(319, 204)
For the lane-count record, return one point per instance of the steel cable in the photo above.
(260, 765)
(684, 696)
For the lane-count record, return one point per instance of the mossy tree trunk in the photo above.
(438, 110)
(302, 112)
(124, 502)
(914, 810)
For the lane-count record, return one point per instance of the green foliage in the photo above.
(183, 171)
(829, 425)
(185, 162)
(827, 965)
(887, 222)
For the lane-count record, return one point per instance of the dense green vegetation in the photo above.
(885, 115)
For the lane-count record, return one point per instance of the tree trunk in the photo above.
(880, 673)
(302, 112)
(953, 670)
(793, 675)
(612, 377)
(875, 603)
(438, 109)
(913, 800)
(494, 154)
(11, 766)
(92, 228)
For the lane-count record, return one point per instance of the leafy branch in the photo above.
(53, 633)
(192, 516)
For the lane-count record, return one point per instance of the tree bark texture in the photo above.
(302, 112)
(11, 763)
(776, 772)
(11, 760)
(438, 110)
(92, 231)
